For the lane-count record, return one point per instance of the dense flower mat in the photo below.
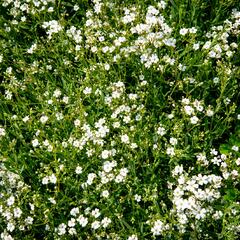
(119, 119)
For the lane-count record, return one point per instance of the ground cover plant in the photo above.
(119, 119)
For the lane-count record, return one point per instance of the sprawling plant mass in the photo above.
(119, 119)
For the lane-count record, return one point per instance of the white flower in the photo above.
(107, 167)
(209, 113)
(78, 170)
(105, 154)
(52, 179)
(133, 146)
(125, 138)
(75, 7)
(74, 211)
(106, 221)
(161, 131)
(72, 231)
(17, 212)
(25, 119)
(57, 93)
(29, 220)
(170, 151)
(77, 123)
(188, 110)
(62, 229)
(45, 180)
(83, 221)
(238, 162)
(10, 226)
(72, 222)
(2, 132)
(183, 31)
(235, 148)
(123, 172)
(157, 228)
(137, 198)
(173, 141)
(11, 201)
(106, 67)
(35, 142)
(95, 213)
(133, 237)
(43, 119)
(194, 120)
(87, 90)
(95, 225)
(192, 30)
(46, 143)
(105, 193)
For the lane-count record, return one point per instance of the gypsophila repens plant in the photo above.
(119, 119)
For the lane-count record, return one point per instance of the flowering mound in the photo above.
(119, 119)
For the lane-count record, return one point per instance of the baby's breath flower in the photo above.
(125, 138)
(43, 119)
(194, 120)
(183, 31)
(105, 193)
(35, 142)
(95, 225)
(2, 132)
(78, 170)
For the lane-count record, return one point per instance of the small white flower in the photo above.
(25, 119)
(209, 113)
(74, 211)
(95, 213)
(2, 132)
(125, 138)
(235, 148)
(216, 80)
(57, 93)
(238, 162)
(62, 229)
(188, 110)
(52, 179)
(105, 154)
(35, 142)
(137, 198)
(78, 170)
(95, 225)
(106, 221)
(161, 131)
(133, 237)
(72, 222)
(45, 180)
(105, 193)
(17, 212)
(194, 120)
(83, 221)
(170, 151)
(77, 123)
(173, 141)
(29, 220)
(107, 67)
(87, 90)
(183, 31)
(75, 7)
(196, 46)
(43, 119)
(11, 201)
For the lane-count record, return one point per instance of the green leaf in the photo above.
(225, 149)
